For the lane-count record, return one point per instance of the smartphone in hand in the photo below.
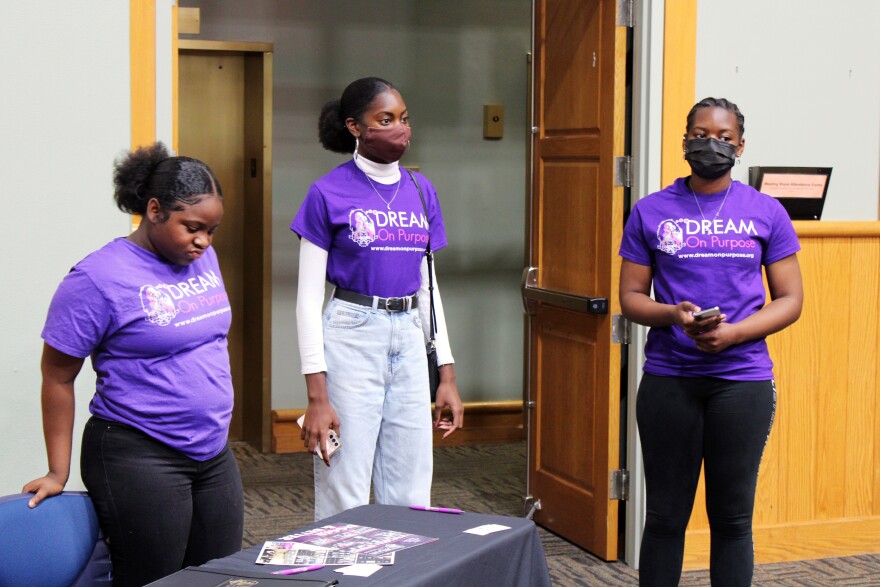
(703, 314)
(333, 443)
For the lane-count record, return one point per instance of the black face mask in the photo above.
(710, 158)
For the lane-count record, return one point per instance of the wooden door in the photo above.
(212, 130)
(570, 288)
(222, 121)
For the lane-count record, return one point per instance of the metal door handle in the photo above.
(529, 279)
(569, 301)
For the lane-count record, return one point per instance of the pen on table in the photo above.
(427, 508)
(298, 570)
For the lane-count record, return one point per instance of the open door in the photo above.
(225, 119)
(570, 288)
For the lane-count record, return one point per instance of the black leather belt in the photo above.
(403, 304)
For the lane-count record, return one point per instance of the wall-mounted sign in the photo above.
(800, 190)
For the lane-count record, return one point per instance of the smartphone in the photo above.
(706, 313)
(333, 442)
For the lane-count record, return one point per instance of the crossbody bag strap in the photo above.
(430, 256)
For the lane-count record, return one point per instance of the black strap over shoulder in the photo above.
(430, 255)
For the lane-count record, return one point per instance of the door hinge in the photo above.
(620, 329)
(619, 486)
(625, 13)
(623, 171)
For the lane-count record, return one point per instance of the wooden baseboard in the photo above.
(797, 541)
(485, 423)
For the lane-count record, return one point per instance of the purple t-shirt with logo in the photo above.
(716, 261)
(372, 250)
(156, 334)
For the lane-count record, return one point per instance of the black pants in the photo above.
(160, 510)
(686, 422)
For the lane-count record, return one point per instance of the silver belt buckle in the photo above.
(397, 304)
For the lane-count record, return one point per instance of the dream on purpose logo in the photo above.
(363, 229)
(670, 236)
(158, 305)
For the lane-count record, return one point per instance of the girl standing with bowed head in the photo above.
(155, 457)
(364, 228)
(707, 395)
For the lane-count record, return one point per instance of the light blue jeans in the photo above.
(377, 382)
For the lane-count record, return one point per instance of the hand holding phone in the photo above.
(333, 442)
(703, 314)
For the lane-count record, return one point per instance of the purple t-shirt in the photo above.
(712, 262)
(372, 250)
(156, 334)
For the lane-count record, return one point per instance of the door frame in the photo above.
(647, 110)
(663, 91)
(255, 399)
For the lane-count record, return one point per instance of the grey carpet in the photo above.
(491, 479)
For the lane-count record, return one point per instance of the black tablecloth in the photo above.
(507, 558)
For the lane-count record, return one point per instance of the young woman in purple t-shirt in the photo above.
(364, 228)
(151, 313)
(707, 395)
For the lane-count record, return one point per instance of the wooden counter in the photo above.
(819, 485)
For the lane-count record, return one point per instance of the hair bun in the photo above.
(150, 172)
(131, 172)
(332, 132)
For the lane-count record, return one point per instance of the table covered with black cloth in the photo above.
(510, 558)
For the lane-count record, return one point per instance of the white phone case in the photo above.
(333, 443)
(707, 313)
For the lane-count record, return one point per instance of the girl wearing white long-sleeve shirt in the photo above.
(364, 228)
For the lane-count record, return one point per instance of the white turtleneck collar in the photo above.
(385, 173)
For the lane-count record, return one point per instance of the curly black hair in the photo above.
(149, 172)
(355, 100)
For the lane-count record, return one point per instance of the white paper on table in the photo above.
(487, 529)
(299, 545)
(359, 570)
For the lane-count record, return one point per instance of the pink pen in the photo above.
(427, 508)
(298, 570)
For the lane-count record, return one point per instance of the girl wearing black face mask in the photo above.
(364, 227)
(707, 396)
(713, 142)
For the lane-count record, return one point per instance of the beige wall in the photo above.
(64, 115)
(806, 75)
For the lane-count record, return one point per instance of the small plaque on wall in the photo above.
(800, 190)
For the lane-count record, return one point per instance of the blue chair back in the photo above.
(56, 544)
